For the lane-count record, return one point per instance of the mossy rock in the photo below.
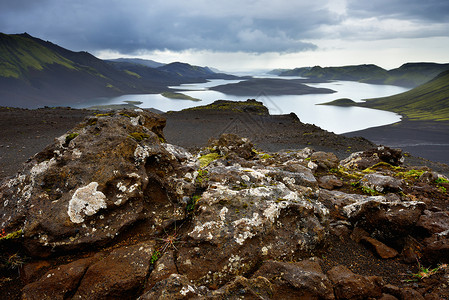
(139, 136)
(70, 137)
(205, 160)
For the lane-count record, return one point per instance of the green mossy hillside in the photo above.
(408, 75)
(19, 54)
(427, 102)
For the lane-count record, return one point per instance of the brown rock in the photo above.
(434, 222)
(358, 234)
(30, 272)
(329, 182)
(324, 160)
(59, 282)
(242, 288)
(121, 274)
(174, 287)
(385, 220)
(381, 249)
(409, 293)
(163, 268)
(302, 280)
(348, 285)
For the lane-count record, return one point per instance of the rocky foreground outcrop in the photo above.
(111, 210)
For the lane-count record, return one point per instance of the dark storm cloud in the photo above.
(233, 25)
(248, 26)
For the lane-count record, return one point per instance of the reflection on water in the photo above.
(331, 118)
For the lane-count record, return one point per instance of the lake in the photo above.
(331, 118)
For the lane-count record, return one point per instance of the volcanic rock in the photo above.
(116, 212)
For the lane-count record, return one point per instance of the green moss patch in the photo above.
(70, 137)
(205, 160)
(139, 136)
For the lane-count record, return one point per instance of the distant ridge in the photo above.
(408, 75)
(188, 71)
(138, 61)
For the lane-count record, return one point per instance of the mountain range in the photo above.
(408, 75)
(36, 73)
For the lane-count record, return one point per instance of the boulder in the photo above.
(385, 220)
(381, 249)
(329, 182)
(230, 143)
(366, 159)
(324, 160)
(348, 285)
(176, 286)
(95, 181)
(381, 183)
(299, 280)
(119, 275)
(58, 283)
(248, 215)
(434, 222)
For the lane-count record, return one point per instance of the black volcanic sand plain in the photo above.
(25, 132)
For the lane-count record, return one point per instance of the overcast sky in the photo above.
(241, 34)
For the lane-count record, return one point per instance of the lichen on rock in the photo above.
(86, 201)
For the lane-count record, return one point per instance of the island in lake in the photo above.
(270, 86)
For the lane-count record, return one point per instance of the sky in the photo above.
(241, 35)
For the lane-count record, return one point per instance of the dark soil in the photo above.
(24, 132)
(193, 129)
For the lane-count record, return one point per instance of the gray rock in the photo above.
(246, 215)
(329, 182)
(366, 159)
(381, 183)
